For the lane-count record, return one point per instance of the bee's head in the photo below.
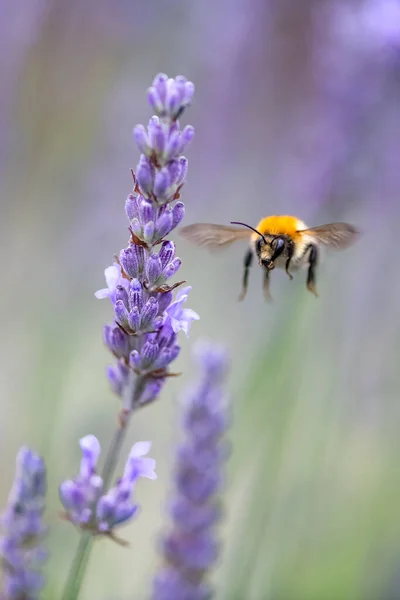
(268, 249)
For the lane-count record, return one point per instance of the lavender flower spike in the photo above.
(143, 334)
(21, 550)
(191, 548)
(83, 499)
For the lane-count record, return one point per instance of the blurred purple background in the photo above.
(296, 110)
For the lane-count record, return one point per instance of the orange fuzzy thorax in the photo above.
(280, 225)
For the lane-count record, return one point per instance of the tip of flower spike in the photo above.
(91, 444)
(213, 358)
(169, 97)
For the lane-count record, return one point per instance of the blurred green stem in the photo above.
(78, 567)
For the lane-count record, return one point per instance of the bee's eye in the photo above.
(259, 245)
(278, 243)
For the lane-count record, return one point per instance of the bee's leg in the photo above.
(248, 259)
(267, 294)
(289, 258)
(312, 263)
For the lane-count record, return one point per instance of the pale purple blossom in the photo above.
(181, 318)
(84, 500)
(113, 277)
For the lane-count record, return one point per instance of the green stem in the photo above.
(78, 567)
(79, 564)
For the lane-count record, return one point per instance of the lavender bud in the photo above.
(131, 207)
(162, 182)
(136, 228)
(166, 336)
(173, 147)
(78, 495)
(148, 315)
(156, 136)
(157, 93)
(134, 319)
(146, 212)
(121, 294)
(172, 268)
(111, 510)
(154, 100)
(167, 253)
(178, 212)
(174, 171)
(142, 140)
(187, 136)
(116, 340)
(145, 175)
(166, 356)
(164, 224)
(152, 391)
(183, 168)
(164, 300)
(184, 88)
(130, 261)
(153, 268)
(121, 313)
(148, 232)
(148, 354)
(135, 294)
(172, 104)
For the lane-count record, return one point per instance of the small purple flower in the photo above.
(181, 318)
(78, 496)
(142, 336)
(114, 279)
(191, 548)
(83, 499)
(20, 548)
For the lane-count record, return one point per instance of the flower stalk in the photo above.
(190, 548)
(21, 548)
(143, 334)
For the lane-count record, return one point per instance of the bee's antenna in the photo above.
(249, 227)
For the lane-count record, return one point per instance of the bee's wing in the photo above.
(337, 236)
(214, 237)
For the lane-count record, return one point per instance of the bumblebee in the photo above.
(278, 241)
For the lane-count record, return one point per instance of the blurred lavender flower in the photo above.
(83, 499)
(143, 335)
(20, 548)
(191, 547)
